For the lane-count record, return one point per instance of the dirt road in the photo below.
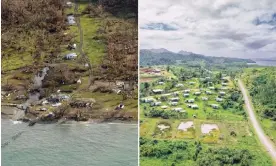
(268, 144)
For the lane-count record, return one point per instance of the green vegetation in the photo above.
(179, 152)
(164, 140)
(262, 88)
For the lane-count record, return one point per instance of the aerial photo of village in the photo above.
(189, 113)
(207, 83)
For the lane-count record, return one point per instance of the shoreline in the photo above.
(7, 112)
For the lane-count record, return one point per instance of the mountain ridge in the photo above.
(163, 57)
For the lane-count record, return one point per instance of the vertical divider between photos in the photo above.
(138, 85)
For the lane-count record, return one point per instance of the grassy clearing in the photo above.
(94, 49)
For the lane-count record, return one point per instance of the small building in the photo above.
(71, 20)
(186, 94)
(194, 106)
(187, 91)
(71, 56)
(212, 88)
(164, 107)
(69, 4)
(197, 93)
(120, 83)
(161, 83)
(179, 85)
(222, 93)
(148, 100)
(173, 103)
(178, 109)
(223, 88)
(219, 99)
(174, 99)
(79, 81)
(208, 92)
(224, 84)
(175, 93)
(190, 100)
(215, 106)
(158, 103)
(157, 91)
(204, 98)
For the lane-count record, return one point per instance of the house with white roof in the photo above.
(71, 56)
(215, 106)
(197, 93)
(186, 94)
(219, 99)
(157, 91)
(190, 100)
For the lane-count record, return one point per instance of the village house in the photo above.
(157, 91)
(120, 84)
(204, 98)
(71, 56)
(219, 99)
(174, 99)
(212, 88)
(158, 103)
(224, 84)
(187, 91)
(194, 106)
(71, 20)
(221, 93)
(215, 106)
(178, 109)
(179, 85)
(173, 103)
(161, 83)
(190, 100)
(164, 107)
(175, 94)
(147, 100)
(69, 4)
(197, 93)
(186, 94)
(208, 92)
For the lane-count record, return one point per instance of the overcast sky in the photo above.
(236, 28)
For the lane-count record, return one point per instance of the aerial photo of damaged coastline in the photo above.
(207, 83)
(69, 82)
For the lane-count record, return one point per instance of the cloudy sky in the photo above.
(236, 28)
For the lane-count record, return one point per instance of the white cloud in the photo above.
(210, 27)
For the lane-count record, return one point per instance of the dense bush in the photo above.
(179, 151)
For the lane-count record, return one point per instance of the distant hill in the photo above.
(165, 57)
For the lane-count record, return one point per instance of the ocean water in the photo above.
(265, 63)
(76, 144)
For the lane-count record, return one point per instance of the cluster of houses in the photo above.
(173, 102)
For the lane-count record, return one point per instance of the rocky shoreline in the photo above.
(63, 114)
